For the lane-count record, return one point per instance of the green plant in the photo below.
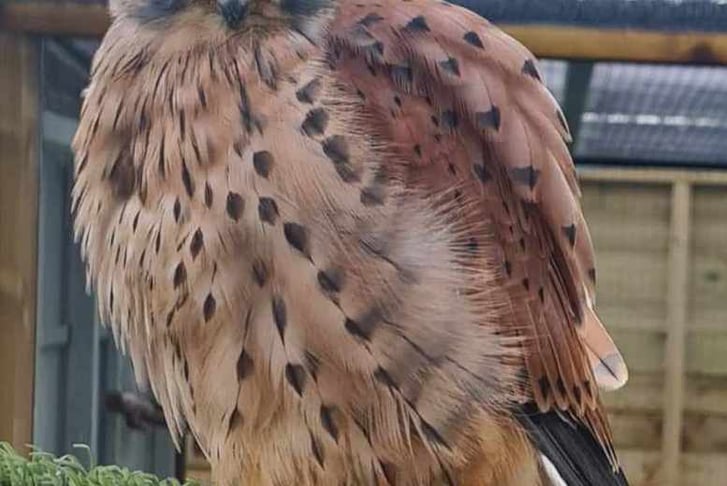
(43, 469)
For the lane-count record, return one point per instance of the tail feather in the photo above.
(571, 450)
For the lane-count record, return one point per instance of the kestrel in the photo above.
(342, 242)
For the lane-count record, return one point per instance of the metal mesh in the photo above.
(670, 114)
(554, 75)
(648, 14)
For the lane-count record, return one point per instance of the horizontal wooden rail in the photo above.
(54, 18)
(627, 45)
(546, 41)
(653, 176)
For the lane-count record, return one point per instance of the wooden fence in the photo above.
(661, 248)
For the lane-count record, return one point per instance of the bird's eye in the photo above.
(155, 9)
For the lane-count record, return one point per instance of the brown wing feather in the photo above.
(466, 103)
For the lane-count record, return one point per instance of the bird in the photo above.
(342, 242)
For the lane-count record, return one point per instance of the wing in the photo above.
(462, 108)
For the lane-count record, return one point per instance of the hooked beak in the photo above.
(232, 11)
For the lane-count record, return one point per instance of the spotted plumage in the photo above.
(343, 244)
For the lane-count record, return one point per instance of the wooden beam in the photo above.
(653, 175)
(546, 40)
(630, 45)
(18, 239)
(677, 303)
(57, 18)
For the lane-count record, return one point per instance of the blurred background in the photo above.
(644, 87)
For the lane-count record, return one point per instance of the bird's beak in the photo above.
(232, 11)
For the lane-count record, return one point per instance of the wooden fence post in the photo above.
(18, 237)
(674, 369)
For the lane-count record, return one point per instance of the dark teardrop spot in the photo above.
(309, 92)
(331, 280)
(263, 162)
(383, 376)
(473, 39)
(353, 328)
(389, 471)
(450, 66)
(526, 175)
(297, 237)
(209, 307)
(417, 24)
(508, 268)
(260, 272)
(481, 172)
(267, 210)
(202, 96)
(432, 435)
(336, 149)
(187, 180)
(526, 283)
(235, 206)
(177, 210)
(530, 69)
(489, 119)
(122, 177)
(295, 374)
(195, 246)
(170, 317)
(315, 122)
(544, 387)
(570, 234)
(592, 275)
(280, 316)
(370, 19)
(365, 326)
(245, 366)
(560, 386)
(208, 198)
(180, 275)
(235, 420)
(372, 196)
(327, 421)
(541, 294)
(317, 449)
(402, 74)
(135, 222)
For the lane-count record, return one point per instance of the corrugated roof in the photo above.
(650, 113)
(705, 15)
(668, 114)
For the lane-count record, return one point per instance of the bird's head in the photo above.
(233, 14)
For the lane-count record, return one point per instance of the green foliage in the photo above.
(45, 469)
